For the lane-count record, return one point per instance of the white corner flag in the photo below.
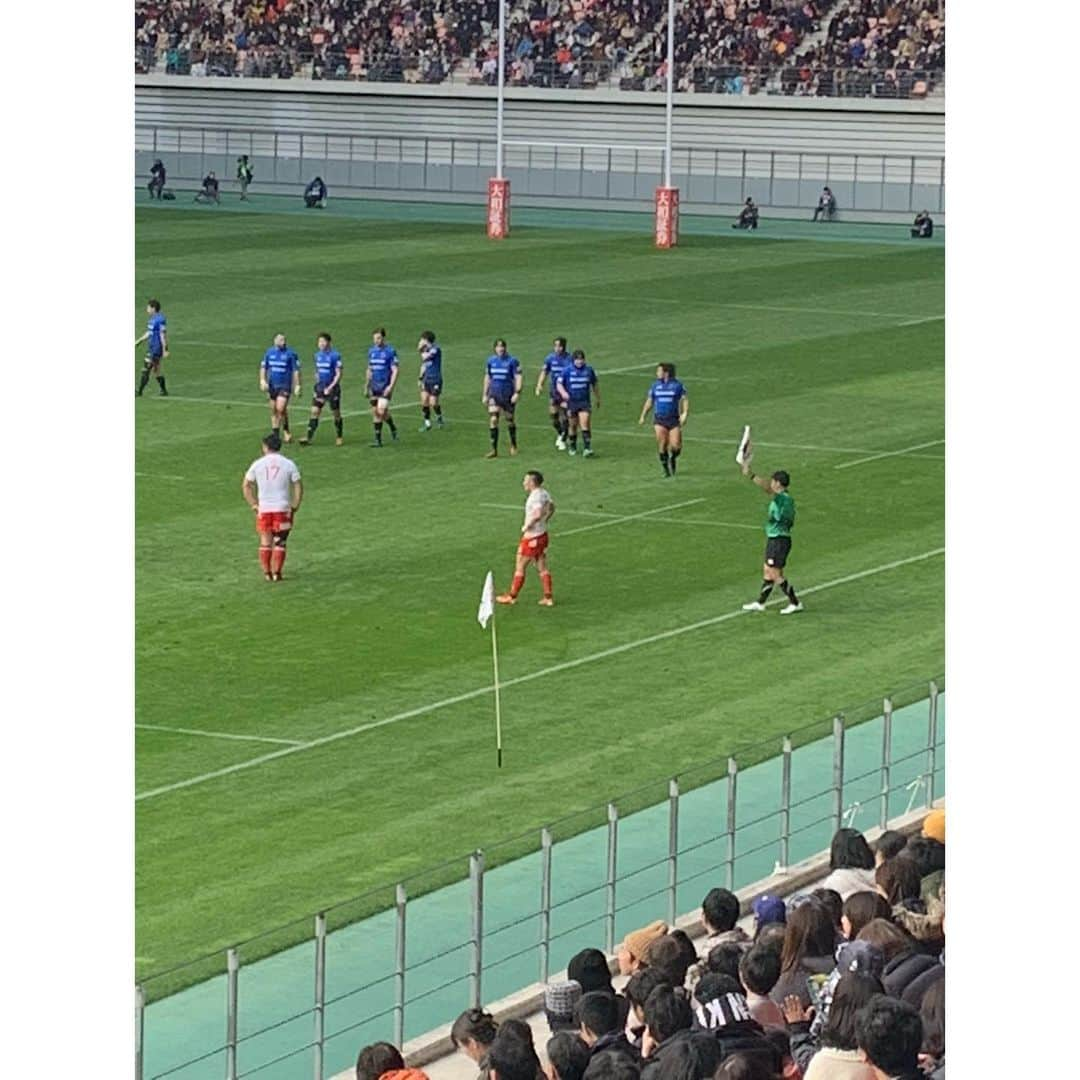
(484, 616)
(745, 452)
(487, 601)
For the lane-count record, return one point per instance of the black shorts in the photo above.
(374, 395)
(777, 549)
(432, 388)
(153, 358)
(279, 391)
(669, 422)
(502, 402)
(320, 398)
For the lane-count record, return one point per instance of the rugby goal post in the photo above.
(666, 214)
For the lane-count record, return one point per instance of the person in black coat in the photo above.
(890, 1034)
(826, 205)
(671, 1045)
(315, 194)
(923, 226)
(157, 179)
(748, 216)
(721, 1010)
(209, 192)
(600, 1025)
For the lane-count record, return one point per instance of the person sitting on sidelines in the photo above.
(748, 216)
(923, 226)
(826, 205)
(157, 179)
(209, 192)
(315, 194)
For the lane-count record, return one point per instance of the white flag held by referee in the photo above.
(487, 601)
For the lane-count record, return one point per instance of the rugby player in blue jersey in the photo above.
(577, 384)
(502, 388)
(667, 398)
(327, 362)
(279, 378)
(382, 376)
(157, 347)
(430, 379)
(554, 364)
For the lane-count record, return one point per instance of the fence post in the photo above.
(232, 959)
(607, 189)
(886, 761)
(612, 862)
(911, 187)
(545, 904)
(772, 171)
(742, 182)
(785, 806)
(838, 770)
(140, 1006)
(931, 744)
(673, 849)
(320, 993)
(732, 774)
(400, 902)
(476, 879)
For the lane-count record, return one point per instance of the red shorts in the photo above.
(532, 547)
(272, 521)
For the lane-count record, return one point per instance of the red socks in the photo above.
(264, 559)
(515, 585)
(545, 581)
(277, 560)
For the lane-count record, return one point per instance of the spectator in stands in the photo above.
(473, 1032)
(932, 1012)
(833, 903)
(723, 959)
(668, 954)
(859, 909)
(632, 950)
(933, 825)
(688, 950)
(637, 990)
(589, 968)
(611, 1066)
(744, 1067)
(748, 216)
(157, 179)
(808, 952)
(851, 864)
(888, 845)
(898, 880)
(929, 855)
(759, 970)
(720, 914)
(889, 1035)
(567, 1057)
(518, 1029)
(560, 1002)
(209, 192)
(723, 1011)
(315, 194)
(909, 972)
(600, 1025)
(768, 910)
(834, 1054)
(851, 957)
(510, 1057)
(826, 205)
(376, 1059)
(923, 226)
(670, 1038)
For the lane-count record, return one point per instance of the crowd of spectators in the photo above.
(726, 46)
(846, 982)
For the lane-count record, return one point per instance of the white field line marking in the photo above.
(159, 476)
(263, 405)
(554, 669)
(629, 517)
(888, 453)
(606, 514)
(217, 734)
(917, 322)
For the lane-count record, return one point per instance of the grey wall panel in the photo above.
(826, 128)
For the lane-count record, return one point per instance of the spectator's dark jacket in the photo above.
(617, 1043)
(706, 1050)
(903, 975)
(803, 1045)
(157, 172)
(748, 1038)
(210, 183)
(793, 981)
(316, 188)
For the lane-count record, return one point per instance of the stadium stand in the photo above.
(873, 971)
(855, 48)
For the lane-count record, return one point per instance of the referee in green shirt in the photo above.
(778, 539)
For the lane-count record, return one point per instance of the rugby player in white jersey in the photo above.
(273, 490)
(539, 509)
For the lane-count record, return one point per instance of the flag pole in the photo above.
(498, 704)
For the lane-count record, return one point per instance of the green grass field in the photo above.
(833, 351)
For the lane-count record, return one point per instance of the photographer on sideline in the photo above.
(209, 191)
(748, 216)
(923, 227)
(244, 175)
(826, 205)
(157, 179)
(315, 194)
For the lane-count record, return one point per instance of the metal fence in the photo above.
(400, 960)
(288, 159)
(901, 82)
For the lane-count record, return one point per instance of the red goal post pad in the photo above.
(498, 209)
(667, 217)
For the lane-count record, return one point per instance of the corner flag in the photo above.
(487, 601)
(484, 616)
